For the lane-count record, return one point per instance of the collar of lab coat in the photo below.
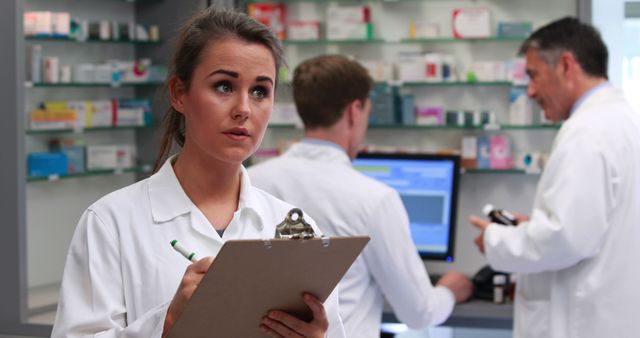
(319, 151)
(168, 199)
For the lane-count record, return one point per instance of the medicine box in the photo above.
(272, 15)
(484, 152)
(47, 164)
(514, 29)
(471, 23)
(303, 30)
(469, 152)
(501, 157)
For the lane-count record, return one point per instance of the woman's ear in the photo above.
(177, 91)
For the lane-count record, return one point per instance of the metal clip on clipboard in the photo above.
(294, 226)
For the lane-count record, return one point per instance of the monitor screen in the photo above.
(428, 187)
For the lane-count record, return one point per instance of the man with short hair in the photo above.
(332, 97)
(578, 254)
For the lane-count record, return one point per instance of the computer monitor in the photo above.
(428, 187)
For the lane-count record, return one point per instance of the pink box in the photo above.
(501, 157)
(429, 115)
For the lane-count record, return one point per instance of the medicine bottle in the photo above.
(499, 216)
(499, 288)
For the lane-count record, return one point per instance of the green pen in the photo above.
(190, 255)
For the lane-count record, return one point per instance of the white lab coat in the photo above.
(344, 202)
(578, 255)
(121, 272)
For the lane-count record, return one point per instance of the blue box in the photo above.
(484, 152)
(514, 29)
(47, 164)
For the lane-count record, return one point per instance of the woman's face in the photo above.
(230, 99)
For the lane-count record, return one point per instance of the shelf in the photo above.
(138, 169)
(453, 40)
(488, 127)
(67, 39)
(398, 83)
(402, 41)
(454, 84)
(81, 130)
(499, 171)
(284, 126)
(89, 85)
(333, 42)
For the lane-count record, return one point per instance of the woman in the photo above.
(121, 275)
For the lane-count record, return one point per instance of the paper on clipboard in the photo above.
(250, 277)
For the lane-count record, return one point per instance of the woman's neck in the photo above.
(212, 185)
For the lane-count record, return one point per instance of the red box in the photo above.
(272, 15)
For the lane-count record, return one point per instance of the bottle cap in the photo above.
(499, 279)
(487, 209)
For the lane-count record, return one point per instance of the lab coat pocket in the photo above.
(534, 287)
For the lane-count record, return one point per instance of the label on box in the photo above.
(471, 23)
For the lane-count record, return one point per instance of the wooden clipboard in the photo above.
(250, 277)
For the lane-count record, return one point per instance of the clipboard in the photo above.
(250, 277)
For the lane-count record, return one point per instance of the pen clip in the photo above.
(294, 226)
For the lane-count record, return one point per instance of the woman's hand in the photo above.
(190, 281)
(279, 324)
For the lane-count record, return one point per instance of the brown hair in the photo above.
(205, 27)
(323, 87)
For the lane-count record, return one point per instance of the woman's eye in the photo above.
(259, 92)
(223, 87)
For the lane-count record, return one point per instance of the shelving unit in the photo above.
(105, 172)
(54, 203)
(66, 39)
(83, 130)
(513, 189)
(401, 41)
(90, 85)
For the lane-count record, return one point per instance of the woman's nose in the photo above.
(242, 110)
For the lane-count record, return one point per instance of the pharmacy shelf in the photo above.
(454, 84)
(499, 171)
(82, 130)
(51, 178)
(402, 41)
(418, 84)
(454, 40)
(89, 85)
(487, 127)
(68, 39)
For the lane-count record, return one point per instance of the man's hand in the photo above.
(188, 285)
(279, 324)
(521, 217)
(459, 285)
(482, 225)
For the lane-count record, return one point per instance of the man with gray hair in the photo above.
(577, 255)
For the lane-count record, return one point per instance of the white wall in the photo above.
(608, 17)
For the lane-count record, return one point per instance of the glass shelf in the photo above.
(402, 41)
(81, 130)
(488, 127)
(332, 42)
(284, 126)
(138, 169)
(89, 85)
(454, 84)
(67, 39)
(396, 83)
(453, 40)
(499, 171)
